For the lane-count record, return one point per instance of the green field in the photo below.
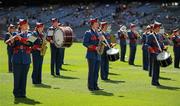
(129, 85)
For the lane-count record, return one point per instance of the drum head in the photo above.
(112, 51)
(50, 32)
(58, 38)
(163, 56)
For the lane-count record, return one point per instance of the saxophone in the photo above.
(100, 48)
(43, 46)
(101, 45)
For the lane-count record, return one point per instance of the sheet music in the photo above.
(32, 39)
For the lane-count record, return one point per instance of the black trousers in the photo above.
(145, 60)
(55, 59)
(155, 69)
(10, 53)
(176, 56)
(150, 59)
(93, 67)
(104, 67)
(20, 79)
(123, 52)
(132, 54)
(37, 67)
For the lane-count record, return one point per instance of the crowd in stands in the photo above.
(77, 16)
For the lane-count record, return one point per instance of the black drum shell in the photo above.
(113, 57)
(166, 62)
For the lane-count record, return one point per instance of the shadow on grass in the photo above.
(42, 86)
(65, 77)
(67, 64)
(164, 78)
(168, 87)
(113, 74)
(114, 81)
(137, 65)
(103, 93)
(121, 96)
(63, 69)
(27, 101)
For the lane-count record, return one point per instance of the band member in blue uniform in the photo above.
(122, 37)
(21, 58)
(55, 52)
(144, 47)
(176, 47)
(150, 55)
(9, 34)
(37, 57)
(90, 41)
(104, 58)
(153, 48)
(132, 35)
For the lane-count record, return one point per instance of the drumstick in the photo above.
(157, 43)
(106, 41)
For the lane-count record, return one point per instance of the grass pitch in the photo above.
(129, 85)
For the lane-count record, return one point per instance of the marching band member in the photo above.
(9, 34)
(144, 47)
(91, 41)
(55, 52)
(36, 53)
(123, 37)
(153, 40)
(104, 59)
(149, 54)
(21, 58)
(62, 54)
(133, 43)
(176, 47)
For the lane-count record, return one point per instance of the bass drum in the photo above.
(63, 37)
(164, 59)
(113, 54)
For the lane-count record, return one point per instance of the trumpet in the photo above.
(137, 34)
(123, 29)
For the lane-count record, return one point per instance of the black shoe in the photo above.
(20, 97)
(57, 74)
(131, 64)
(97, 88)
(105, 79)
(156, 84)
(35, 83)
(91, 89)
(23, 97)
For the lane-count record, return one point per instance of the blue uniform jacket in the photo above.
(144, 41)
(176, 41)
(22, 56)
(132, 38)
(152, 44)
(122, 38)
(39, 39)
(7, 36)
(91, 39)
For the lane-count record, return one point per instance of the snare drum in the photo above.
(113, 54)
(164, 58)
